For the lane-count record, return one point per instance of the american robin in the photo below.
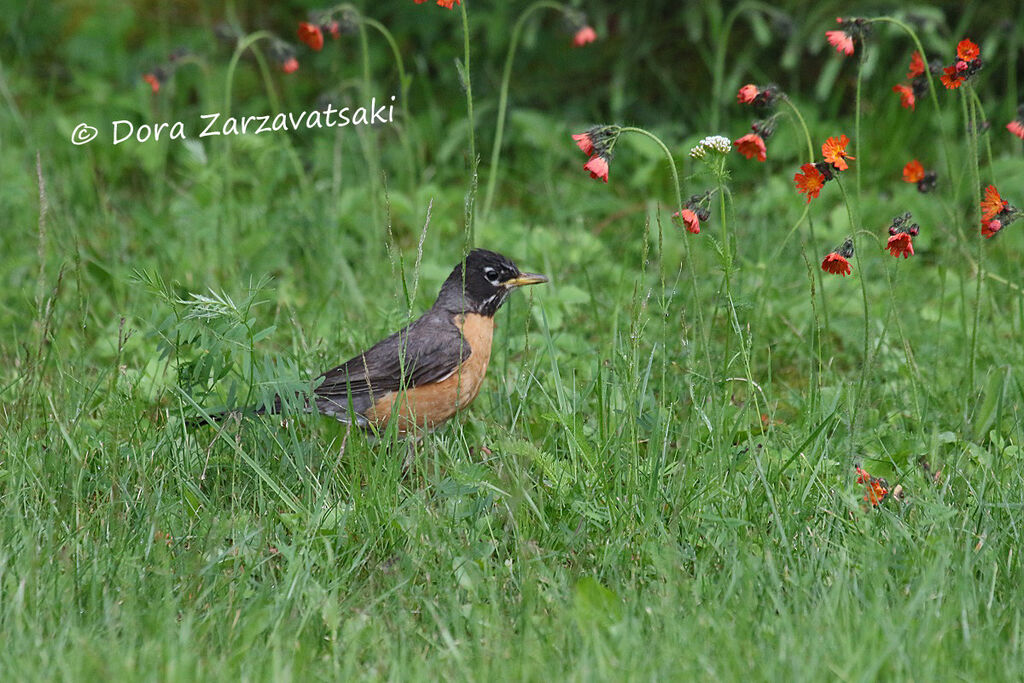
(426, 372)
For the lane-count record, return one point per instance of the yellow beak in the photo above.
(525, 279)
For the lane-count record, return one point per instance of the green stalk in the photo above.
(517, 29)
(856, 119)
(403, 87)
(470, 213)
(864, 368)
(803, 126)
(970, 115)
(668, 155)
(979, 111)
(399, 63)
(810, 223)
(369, 146)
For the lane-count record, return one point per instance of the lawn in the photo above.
(760, 424)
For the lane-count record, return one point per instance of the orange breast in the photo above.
(428, 405)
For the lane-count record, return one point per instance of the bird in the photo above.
(426, 372)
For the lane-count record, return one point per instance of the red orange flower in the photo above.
(598, 167)
(913, 171)
(907, 98)
(747, 94)
(311, 35)
(290, 65)
(153, 81)
(1017, 125)
(583, 36)
(837, 261)
(447, 4)
(810, 181)
(836, 264)
(916, 65)
(689, 219)
(877, 489)
(584, 142)
(841, 41)
(990, 228)
(901, 243)
(751, 145)
(967, 50)
(834, 151)
(992, 204)
(951, 78)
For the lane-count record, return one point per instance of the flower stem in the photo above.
(803, 126)
(810, 223)
(865, 363)
(856, 119)
(668, 155)
(470, 212)
(403, 91)
(980, 112)
(369, 146)
(499, 131)
(970, 114)
(402, 82)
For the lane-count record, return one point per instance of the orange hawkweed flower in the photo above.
(876, 492)
(290, 65)
(689, 219)
(751, 145)
(992, 204)
(810, 181)
(901, 243)
(837, 261)
(841, 41)
(837, 264)
(916, 66)
(834, 151)
(877, 488)
(583, 36)
(311, 35)
(598, 167)
(967, 50)
(1017, 125)
(747, 94)
(951, 78)
(913, 172)
(907, 98)
(153, 81)
(585, 143)
(990, 228)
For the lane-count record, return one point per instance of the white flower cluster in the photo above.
(714, 143)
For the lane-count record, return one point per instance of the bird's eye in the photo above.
(492, 275)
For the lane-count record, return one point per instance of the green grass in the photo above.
(624, 499)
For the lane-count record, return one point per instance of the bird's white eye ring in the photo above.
(491, 274)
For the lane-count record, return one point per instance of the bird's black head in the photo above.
(481, 283)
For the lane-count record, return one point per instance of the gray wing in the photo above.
(428, 350)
